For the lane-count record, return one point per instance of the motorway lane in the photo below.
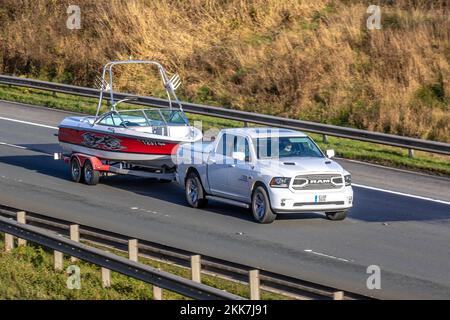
(408, 238)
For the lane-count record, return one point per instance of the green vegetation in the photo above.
(312, 59)
(350, 149)
(27, 273)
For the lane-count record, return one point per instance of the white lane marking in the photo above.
(326, 255)
(11, 145)
(30, 123)
(401, 193)
(22, 147)
(394, 169)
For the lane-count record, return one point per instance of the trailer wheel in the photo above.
(91, 176)
(195, 194)
(75, 170)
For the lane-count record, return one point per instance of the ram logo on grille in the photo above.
(319, 181)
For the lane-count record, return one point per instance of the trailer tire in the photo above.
(75, 170)
(195, 194)
(91, 176)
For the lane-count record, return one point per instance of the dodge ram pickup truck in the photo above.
(269, 171)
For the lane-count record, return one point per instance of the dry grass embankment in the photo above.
(312, 60)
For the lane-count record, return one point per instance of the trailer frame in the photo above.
(81, 164)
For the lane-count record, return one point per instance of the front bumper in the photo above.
(284, 200)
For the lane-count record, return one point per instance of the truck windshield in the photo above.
(286, 147)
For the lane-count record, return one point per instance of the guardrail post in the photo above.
(21, 218)
(106, 278)
(157, 293)
(58, 262)
(74, 236)
(196, 268)
(254, 285)
(325, 139)
(133, 250)
(9, 242)
(338, 295)
(245, 124)
(411, 153)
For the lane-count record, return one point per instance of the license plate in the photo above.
(320, 198)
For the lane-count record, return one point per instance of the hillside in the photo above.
(313, 60)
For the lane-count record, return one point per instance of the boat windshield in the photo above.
(152, 117)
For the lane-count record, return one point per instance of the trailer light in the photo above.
(280, 182)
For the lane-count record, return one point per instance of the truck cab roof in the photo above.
(264, 132)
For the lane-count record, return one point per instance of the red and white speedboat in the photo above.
(143, 137)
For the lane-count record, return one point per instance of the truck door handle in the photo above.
(232, 165)
(212, 161)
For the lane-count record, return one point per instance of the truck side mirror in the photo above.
(240, 156)
(330, 153)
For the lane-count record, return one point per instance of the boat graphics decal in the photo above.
(101, 142)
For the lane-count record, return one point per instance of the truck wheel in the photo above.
(195, 195)
(336, 216)
(91, 176)
(262, 212)
(75, 170)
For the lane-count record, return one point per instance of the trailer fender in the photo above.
(96, 162)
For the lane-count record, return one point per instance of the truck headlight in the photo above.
(348, 180)
(280, 182)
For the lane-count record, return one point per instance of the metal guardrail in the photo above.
(248, 117)
(113, 262)
(270, 281)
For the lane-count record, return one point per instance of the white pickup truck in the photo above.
(270, 171)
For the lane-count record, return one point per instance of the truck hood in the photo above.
(291, 166)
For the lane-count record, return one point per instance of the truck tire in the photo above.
(195, 194)
(336, 216)
(261, 209)
(91, 176)
(75, 170)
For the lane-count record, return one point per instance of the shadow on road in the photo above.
(44, 164)
(377, 206)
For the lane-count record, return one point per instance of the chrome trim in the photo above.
(306, 186)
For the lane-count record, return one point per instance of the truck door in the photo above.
(240, 175)
(219, 166)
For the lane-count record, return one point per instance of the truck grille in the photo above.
(317, 182)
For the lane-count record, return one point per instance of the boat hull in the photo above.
(114, 147)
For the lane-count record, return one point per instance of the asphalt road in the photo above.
(407, 237)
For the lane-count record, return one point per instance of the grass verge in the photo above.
(27, 273)
(346, 148)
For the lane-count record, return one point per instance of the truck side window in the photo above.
(225, 145)
(241, 145)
